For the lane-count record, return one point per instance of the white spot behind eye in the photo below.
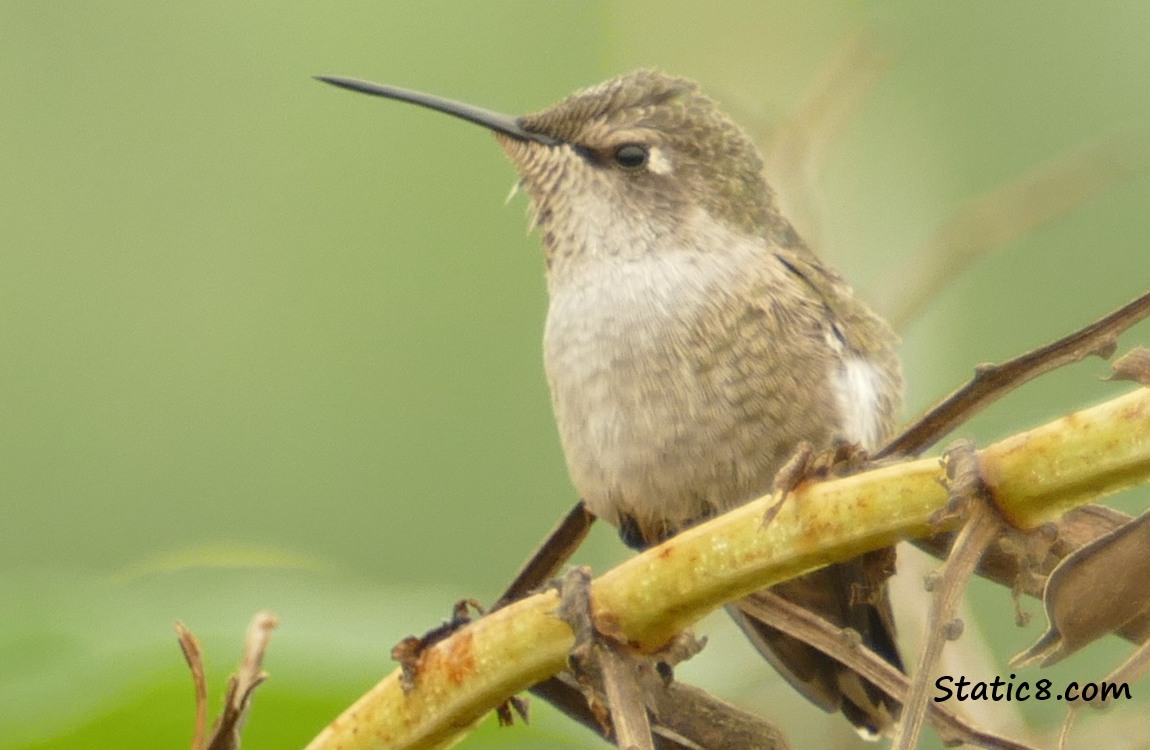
(658, 162)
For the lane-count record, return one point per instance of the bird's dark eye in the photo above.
(631, 156)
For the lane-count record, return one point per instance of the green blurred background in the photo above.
(266, 344)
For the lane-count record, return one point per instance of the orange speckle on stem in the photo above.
(454, 658)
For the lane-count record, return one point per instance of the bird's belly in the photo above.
(665, 420)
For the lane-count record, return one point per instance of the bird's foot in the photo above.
(806, 464)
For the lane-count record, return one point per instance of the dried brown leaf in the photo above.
(1094, 591)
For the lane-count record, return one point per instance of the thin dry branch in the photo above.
(992, 382)
(810, 628)
(1024, 560)
(1034, 476)
(225, 734)
(194, 656)
(983, 525)
(551, 555)
(604, 667)
(688, 718)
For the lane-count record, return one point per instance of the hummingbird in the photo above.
(693, 341)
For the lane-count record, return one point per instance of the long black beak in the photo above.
(494, 120)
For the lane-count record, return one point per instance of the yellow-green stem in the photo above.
(1033, 476)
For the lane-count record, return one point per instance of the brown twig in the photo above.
(982, 527)
(242, 685)
(625, 698)
(992, 382)
(194, 655)
(687, 718)
(809, 628)
(545, 562)
(602, 665)
(225, 735)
